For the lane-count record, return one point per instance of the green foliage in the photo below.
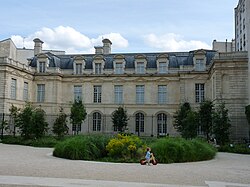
(170, 150)
(247, 112)
(31, 122)
(186, 121)
(13, 115)
(78, 114)
(221, 125)
(124, 146)
(235, 148)
(206, 117)
(82, 147)
(120, 119)
(40, 142)
(60, 127)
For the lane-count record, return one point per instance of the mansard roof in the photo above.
(175, 59)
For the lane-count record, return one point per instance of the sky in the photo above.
(76, 26)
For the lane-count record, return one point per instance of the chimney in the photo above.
(38, 46)
(106, 46)
(98, 50)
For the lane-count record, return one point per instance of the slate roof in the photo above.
(175, 59)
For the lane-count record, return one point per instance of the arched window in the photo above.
(162, 124)
(139, 123)
(97, 121)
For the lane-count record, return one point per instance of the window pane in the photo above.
(41, 67)
(162, 67)
(140, 94)
(13, 89)
(140, 67)
(118, 94)
(25, 91)
(98, 68)
(40, 92)
(199, 93)
(162, 94)
(162, 123)
(118, 68)
(78, 68)
(139, 122)
(77, 93)
(97, 121)
(97, 94)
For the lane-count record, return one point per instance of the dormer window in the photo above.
(118, 68)
(78, 68)
(162, 63)
(79, 64)
(162, 67)
(98, 68)
(42, 67)
(140, 68)
(200, 65)
(199, 60)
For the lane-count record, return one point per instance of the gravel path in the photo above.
(18, 160)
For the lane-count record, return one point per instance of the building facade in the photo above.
(151, 86)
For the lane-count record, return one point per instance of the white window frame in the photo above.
(140, 92)
(140, 67)
(200, 65)
(77, 93)
(119, 68)
(118, 92)
(42, 67)
(78, 70)
(199, 92)
(163, 67)
(25, 91)
(162, 94)
(97, 121)
(40, 93)
(97, 94)
(13, 88)
(98, 68)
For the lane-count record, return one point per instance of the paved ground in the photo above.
(28, 166)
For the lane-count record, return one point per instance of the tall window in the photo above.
(42, 67)
(162, 67)
(77, 93)
(118, 68)
(139, 123)
(97, 121)
(78, 69)
(25, 91)
(40, 92)
(13, 89)
(140, 68)
(199, 93)
(98, 68)
(162, 94)
(140, 94)
(162, 124)
(97, 94)
(200, 65)
(118, 94)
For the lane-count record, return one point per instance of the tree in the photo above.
(77, 115)
(40, 126)
(120, 119)
(13, 115)
(247, 112)
(206, 117)
(180, 116)
(221, 125)
(190, 125)
(60, 127)
(31, 122)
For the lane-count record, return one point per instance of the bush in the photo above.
(124, 146)
(48, 141)
(235, 148)
(170, 150)
(82, 147)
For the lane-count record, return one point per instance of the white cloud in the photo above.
(173, 42)
(68, 39)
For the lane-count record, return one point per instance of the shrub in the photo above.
(235, 148)
(170, 150)
(82, 147)
(124, 146)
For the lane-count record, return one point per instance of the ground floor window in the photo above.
(76, 128)
(97, 121)
(139, 123)
(162, 124)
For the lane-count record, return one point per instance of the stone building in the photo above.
(150, 86)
